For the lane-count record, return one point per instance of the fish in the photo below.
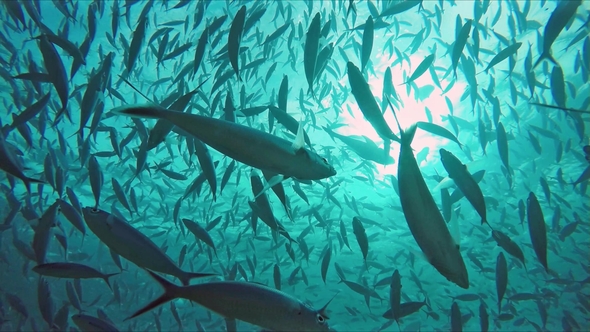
(133, 245)
(438, 130)
(253, 303)
(136, 43)
(56, 72)
(459, 45)
(367, 46)
(465, 182)
(559, 18)
(10, 165)
(421, 69)
(71, 270)
(501, 279)
(502, 142)
(400, 7)
(395, 293)
(366, 149)
(537, 229)
(87, 323)
(366, 102)
(361, 237)
(235, 38)
(506, 243)
(424, 219)
(250, 146)
(200, 233)
(456, 318)
(503, 55)
(312, 42)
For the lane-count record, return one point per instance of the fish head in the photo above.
(309, 319)
(453, 268)
(97, 220)
(311, 166)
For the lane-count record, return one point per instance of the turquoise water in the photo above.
(546, 154)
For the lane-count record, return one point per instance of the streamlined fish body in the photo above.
(248, 145)
(133, 245)
(424, 218)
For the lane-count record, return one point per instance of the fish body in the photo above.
(250, 146)
(253, 303)
(87, 323)
(424, 218)
(465, 182)
(361, 237)
(366, 101)
(133, 245)
(71, 270)
(557, 21)
(235, 38)
(537, 229)
(312, 44)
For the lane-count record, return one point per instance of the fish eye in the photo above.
(321, 320)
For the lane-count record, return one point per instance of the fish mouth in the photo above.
(333, 171)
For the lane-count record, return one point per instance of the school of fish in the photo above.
(393, 151)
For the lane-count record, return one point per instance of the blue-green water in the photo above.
(545, 148)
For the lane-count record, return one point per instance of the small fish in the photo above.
(501, 278)
(88, 323)
(361, 237)
(537, 229)
(133, 245)
(421, 69)
(503, 55)
(508, 245)
(71, 270)
(459, 45)
(367, 46)
(465, 182)
(235, 38)
(312, 43)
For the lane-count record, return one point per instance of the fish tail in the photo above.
(106, 279)
(28, 182)
(140, 111)
(170, 293)
(187, 276)
(545, 55)
(408, 135)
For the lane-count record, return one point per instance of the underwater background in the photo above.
(465, 71)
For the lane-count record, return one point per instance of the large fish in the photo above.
(557, 21)
(249, 302)
(424, 218)
(250, 146)
(133, 245)
(465, 182)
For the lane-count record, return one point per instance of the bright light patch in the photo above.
(412, 111)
